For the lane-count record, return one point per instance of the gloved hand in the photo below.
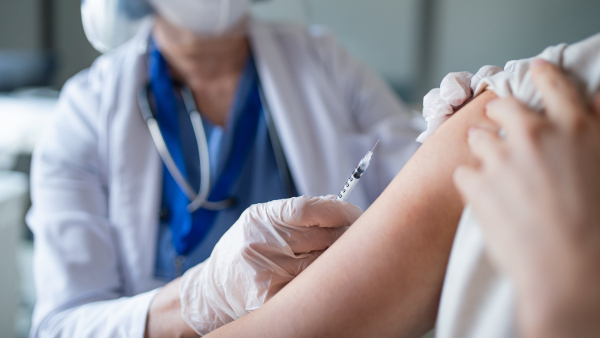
(455, 90)
(269, 245)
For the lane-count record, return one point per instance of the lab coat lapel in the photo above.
(137, 182)
(312, 142)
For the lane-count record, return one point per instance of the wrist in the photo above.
(164, 315)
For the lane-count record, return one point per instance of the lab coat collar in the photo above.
(301, 114)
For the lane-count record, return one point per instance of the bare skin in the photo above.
(536, 194)
(383, 277)
(164, 316)
(209, 66)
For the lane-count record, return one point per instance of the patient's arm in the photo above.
(384, 276)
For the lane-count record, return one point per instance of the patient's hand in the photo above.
(537, 195)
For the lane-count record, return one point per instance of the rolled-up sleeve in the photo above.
(580, 61)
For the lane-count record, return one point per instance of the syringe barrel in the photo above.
(350, 184)
(356, 174)
(364, 162)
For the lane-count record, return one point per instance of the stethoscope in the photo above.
(200, 199)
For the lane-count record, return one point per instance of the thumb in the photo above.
(323, 212)
(292, 269)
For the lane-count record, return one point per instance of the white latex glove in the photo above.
(455, 90)
(269, 245)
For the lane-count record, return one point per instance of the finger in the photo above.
(596, 104)
(561, 98)
(512, 116)
(455, 88)
(320, 212)
(485, 145)
(468, 181)
(303, 240)
(292, 267)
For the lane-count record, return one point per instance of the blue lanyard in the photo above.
(189, 229)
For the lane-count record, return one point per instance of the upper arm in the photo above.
(376, 113)
(383, 277)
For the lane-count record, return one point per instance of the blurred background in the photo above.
(411, 43)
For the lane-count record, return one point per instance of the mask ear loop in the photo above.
(223, 15)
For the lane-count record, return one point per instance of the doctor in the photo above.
(132, 186)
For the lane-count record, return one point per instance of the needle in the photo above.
(375, 145)
(356, 175)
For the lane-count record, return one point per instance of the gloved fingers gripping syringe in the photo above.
(356, 175)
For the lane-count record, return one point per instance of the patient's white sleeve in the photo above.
(581, 61)
(477, 301)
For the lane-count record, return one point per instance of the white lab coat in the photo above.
(97, 177)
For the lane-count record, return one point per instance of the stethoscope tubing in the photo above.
(199, 200)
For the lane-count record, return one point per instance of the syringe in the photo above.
(356, 174)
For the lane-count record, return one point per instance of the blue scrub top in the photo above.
(259, 180)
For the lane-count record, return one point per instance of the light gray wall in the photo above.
(458, 35)
(20, 24)
(73, 50)
(389, 35)
(383, 33)
(21, 28)
(468, 34)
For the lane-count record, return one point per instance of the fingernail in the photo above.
(538, 63)
(490, 103)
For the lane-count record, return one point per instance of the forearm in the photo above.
(383, 277)
(164, 315)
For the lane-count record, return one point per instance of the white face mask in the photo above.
(202, 16)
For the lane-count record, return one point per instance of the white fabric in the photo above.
(96, 177)
(476, 301)
(265, 249)
(455, 90)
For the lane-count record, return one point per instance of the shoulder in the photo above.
(88, 98)
(302, 33)
(315, 42)
(93, 93)
(107, 70)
